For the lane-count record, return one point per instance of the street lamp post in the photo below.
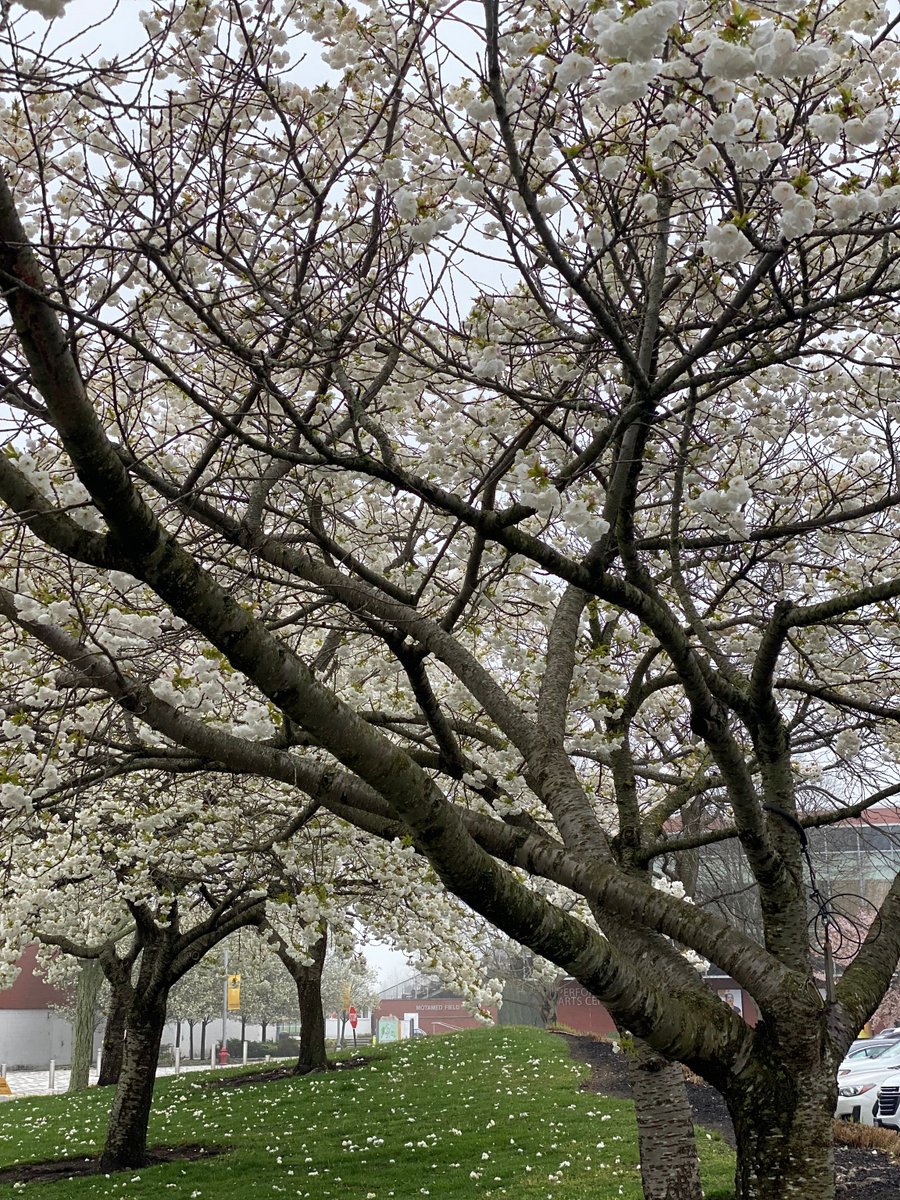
(224, 1000)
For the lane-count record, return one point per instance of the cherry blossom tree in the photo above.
(150, 888)
(267, 993)
(297, 927)
(197, 1000)
(484, 430)
(348, 976)
(888, 1012)
(335, 883)
(134, 885)
(91, 1002)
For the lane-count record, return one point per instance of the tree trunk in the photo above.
(126, 1139)
(113, 1049)
(264, 1025)
(312, 1055)
(549, 999)
(203, 1025)
(668, 1150)
(191, 1040)
(783, 1131)
(87, 989)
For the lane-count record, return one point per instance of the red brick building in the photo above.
(436, 1010)
(30, 991)
(577, 1009)
(433, 1014)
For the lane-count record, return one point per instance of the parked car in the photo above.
(858, 1089)
(858, 1096)
(864, 1045)
(888, 1110)
(861, 1058)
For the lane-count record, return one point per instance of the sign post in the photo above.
(354, 1020)
(345, 1006)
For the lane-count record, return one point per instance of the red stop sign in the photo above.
(353, 1018)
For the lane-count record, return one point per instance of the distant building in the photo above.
(858, 857)
(854, 862)
(579, 1011)
(31, 1032)
(424, 1004)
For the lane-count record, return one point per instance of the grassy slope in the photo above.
(490, 1113)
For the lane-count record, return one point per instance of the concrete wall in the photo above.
(30, 1032)
(29, 1038)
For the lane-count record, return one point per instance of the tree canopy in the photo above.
(479, 421)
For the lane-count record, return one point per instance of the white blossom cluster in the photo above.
(45, 8)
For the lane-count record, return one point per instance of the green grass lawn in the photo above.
(487, 1113)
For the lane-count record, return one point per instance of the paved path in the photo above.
(37, 1083)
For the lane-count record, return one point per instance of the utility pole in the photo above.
(224, 1000)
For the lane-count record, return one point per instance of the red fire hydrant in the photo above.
(223, 1056)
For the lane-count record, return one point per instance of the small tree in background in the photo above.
(196, 1000)
(267, 991)
(348, 980)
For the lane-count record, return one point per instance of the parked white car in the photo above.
(858, 1091)
(888, 1110)
(880, 1055)
(869, 1049)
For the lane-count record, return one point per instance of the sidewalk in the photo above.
(37, 1083)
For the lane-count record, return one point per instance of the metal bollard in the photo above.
(99, 1055)
(244, 1053)
(51, 1083)
(212, 1058)
(2, 1070)
(177, 1060)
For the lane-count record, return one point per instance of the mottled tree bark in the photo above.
(308, 980)
(165, 955)
(113, 1050)
(312, 1056)
(126, 1139)
(668, 1150)
(87, 989)
(783, 1132)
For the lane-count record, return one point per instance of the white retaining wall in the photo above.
(29, 1038)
